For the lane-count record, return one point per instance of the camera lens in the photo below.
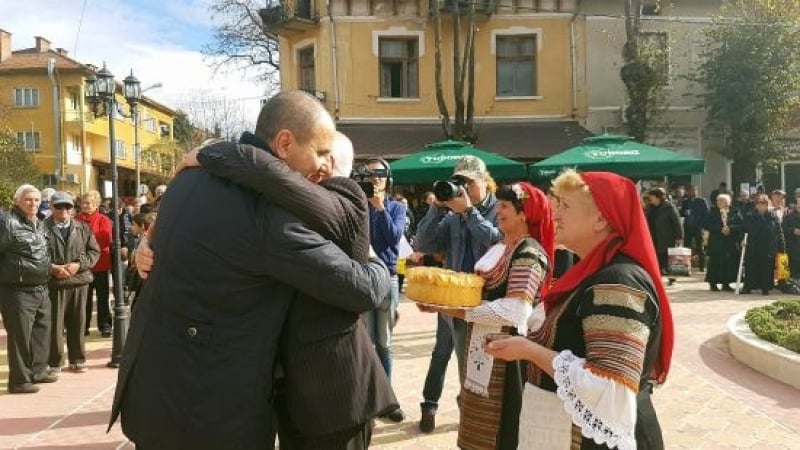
(445, 190)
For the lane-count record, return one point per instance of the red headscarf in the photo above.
(541, 226)
(618, 201)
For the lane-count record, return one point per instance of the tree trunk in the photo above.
(444, 114)
(471, 135)
(458, 79)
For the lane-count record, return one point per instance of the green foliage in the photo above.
(752, 77)
(167, 153)
(644, 73)
(17, 166)
(778, 323)
(183, 130)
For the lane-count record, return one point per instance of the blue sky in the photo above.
(159, 39)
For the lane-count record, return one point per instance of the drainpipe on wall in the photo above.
(574, 58)
(334, 67)
(51, 68)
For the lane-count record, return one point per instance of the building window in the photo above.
(149, 123)
(399, 68)
(26, 97)
(305, 59)
(516, 66)
(119, 149)
(29, 140)
(655, 48)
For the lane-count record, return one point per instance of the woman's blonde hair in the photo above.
(92, 196)
(491, 185)
(569, 181)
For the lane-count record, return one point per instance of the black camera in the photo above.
(449, 189)
(362, 173)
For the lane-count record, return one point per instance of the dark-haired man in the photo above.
(197, 370)
(694, 211)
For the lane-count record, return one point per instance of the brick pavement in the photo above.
(710, 401)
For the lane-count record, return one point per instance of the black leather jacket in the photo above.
(24, 259)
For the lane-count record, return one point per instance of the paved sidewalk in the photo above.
(710, 401)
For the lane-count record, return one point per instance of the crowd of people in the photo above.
(290, 312)
(55, 259)
(274, 316)
(715, 230)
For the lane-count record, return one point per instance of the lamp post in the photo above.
(100, 89)
(131, 82)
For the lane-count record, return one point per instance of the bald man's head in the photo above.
(342, 155)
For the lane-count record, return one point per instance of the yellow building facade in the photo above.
(372, 63)
(43, 101)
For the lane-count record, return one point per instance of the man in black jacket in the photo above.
(24, 304)
(333, 383)
(197, 370)
(73, 251)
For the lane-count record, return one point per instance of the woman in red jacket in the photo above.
(101, 226)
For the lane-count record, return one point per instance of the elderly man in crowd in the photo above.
(24, 302)
(73, 251)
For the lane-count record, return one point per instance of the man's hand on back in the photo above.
(144, 258)
(189, 160)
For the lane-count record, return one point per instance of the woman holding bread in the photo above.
(607, 336)
(516, 271)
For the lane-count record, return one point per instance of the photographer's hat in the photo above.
(470, 167)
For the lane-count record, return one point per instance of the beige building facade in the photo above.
(678, 27)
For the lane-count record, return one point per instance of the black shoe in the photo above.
(727, 288)
(765, 292)
(714, 287)
(48, 377)
(25, 388)
(105, 333)
(427, 423)
(395, 416)
(86, 333)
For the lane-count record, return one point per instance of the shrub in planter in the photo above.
(778, 323)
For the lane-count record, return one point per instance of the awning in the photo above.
(437, 160)
(621, 155)
(522, 141)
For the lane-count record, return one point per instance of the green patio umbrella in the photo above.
(621, 155)
(437, 161)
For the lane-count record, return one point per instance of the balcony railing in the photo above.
(290, 16)
(482, 7)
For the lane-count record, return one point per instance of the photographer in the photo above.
(460, 223)
(387, 219)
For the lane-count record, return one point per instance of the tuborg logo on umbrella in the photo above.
(440, 158)
(606, 154)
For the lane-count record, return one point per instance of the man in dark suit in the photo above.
(197, 370)
(333, 383)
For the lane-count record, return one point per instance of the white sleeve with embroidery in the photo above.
(604, 410)
(503, 311)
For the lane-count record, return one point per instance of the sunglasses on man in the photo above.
(65, 206)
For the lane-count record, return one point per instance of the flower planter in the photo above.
(770, 359)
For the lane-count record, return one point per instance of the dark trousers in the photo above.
(26, 317)
(68, 304)
(356, 438)
(693, 239)
(99, 285)
(437, 368)
(759, 271)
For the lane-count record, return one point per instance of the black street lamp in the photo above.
(101, 89)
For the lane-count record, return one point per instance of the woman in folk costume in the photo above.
(516, 272)
(607, 336)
